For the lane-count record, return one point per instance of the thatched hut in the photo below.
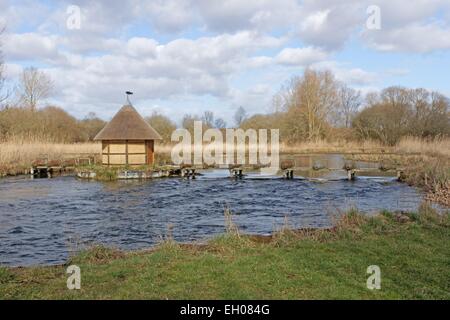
(127, 139)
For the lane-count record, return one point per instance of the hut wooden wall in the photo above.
(150, 151)
(127, 152)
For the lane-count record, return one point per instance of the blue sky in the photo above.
(186, 56)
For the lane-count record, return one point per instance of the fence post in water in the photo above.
(236, 172)
(351, 174)
(400, 175)
(289, 173)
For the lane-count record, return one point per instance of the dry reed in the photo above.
(430, 147)
(408, 145)
(17, 156)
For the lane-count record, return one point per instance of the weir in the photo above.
(291, 165)
(44, 167)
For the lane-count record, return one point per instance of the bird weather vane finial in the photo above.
(128, 93)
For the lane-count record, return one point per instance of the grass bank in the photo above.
(411, 250)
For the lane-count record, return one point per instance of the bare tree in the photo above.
(400, 112)
(208, 119)
(240, 116)
(348, 104)
(311, 98)
(220, 123)
(35, 85)
(4, 94)
(188, 122)
(162, 124)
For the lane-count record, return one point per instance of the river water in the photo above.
(43, 220)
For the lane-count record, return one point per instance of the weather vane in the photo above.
(128, 93)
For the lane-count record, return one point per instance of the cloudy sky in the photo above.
(187, 56)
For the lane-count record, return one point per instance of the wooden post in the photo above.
(236, 173)
(126, 152)
(109, 151)
(400, 175)
(351, 174)
(288, 174)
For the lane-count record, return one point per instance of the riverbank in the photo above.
(429, 172)
(426, 163)
(411, 250)
(16, 157)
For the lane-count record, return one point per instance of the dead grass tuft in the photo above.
(230, 227)
(97, 254)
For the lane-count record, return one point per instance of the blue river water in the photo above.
(43, 220)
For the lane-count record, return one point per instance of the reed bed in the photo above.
(17, 156)
(408, 145)
(430, 147)
(301, 147)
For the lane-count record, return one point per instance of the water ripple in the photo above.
(42, 220)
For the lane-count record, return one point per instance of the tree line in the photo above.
(308, 108)
(316, 106)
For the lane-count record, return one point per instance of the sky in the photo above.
(188, 56)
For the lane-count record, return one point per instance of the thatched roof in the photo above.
(127, 124)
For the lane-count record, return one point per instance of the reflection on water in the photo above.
(41, 219)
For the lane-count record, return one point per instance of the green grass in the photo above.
(412, 251)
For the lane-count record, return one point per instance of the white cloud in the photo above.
(300, 56)
(316, 20)
(181, 67)
(397, 72)
(167, 15)
(12, 70)
(349, 75)
(141, 47)
(27, 46)
(235, 52)
(329, 25)
(406, 25)
(420, 38)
